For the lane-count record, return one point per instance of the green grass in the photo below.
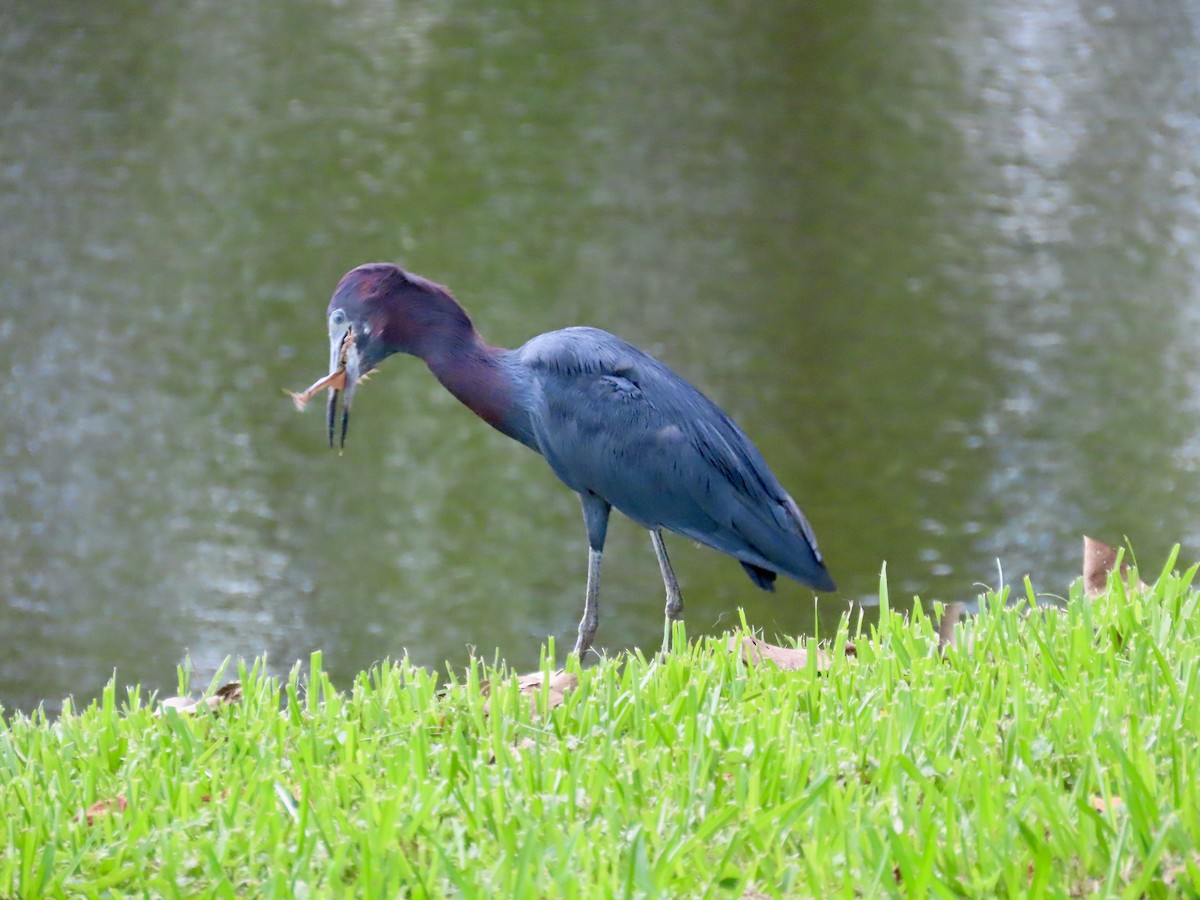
(1048, 753)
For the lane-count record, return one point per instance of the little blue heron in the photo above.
(616, 425)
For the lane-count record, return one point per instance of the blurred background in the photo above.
(938, 259)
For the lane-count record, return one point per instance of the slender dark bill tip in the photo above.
(331, 416)
(345, 425)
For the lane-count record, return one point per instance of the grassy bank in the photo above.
(1046, 752)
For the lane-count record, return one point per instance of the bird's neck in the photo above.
(478, 375)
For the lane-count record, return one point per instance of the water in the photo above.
(939, 260)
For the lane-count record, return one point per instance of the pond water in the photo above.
(938, 260)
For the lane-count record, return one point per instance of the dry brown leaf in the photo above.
(223, 696)
(1173, 867)
(517, 748)
(1099, 804)
(530, 685)
(1098, 561)
(951, 616)
(229, 693)
(755, 651)
(117, 804)
(179, 704)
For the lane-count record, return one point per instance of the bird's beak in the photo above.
(344, 361)
(346, 370)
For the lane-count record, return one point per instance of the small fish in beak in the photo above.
(343, 376)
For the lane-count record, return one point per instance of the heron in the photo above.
(616, 425)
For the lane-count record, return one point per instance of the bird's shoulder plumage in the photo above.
(579, 351)
(613, 420)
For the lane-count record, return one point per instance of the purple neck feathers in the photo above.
(424, 320)
(471, 371)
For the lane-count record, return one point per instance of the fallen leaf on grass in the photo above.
(789, 659)
(117, 804)
(223, 696)
(531, 686)
(1099, 559)
(1099, 804)
(517, 748)
(230, 693)
(1173, 867)
(951, 616)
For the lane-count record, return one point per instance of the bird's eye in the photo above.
(337, 318)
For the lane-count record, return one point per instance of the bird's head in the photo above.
(376, 310)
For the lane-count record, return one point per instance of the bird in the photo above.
(616, 425)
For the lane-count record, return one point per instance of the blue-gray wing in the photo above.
(613, 420)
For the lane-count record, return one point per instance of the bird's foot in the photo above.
(674, 607)
(583, 644)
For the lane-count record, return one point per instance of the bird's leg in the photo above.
(674, 608)
(595, 518)
(591, 606)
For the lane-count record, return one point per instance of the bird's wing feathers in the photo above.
(617, 422)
